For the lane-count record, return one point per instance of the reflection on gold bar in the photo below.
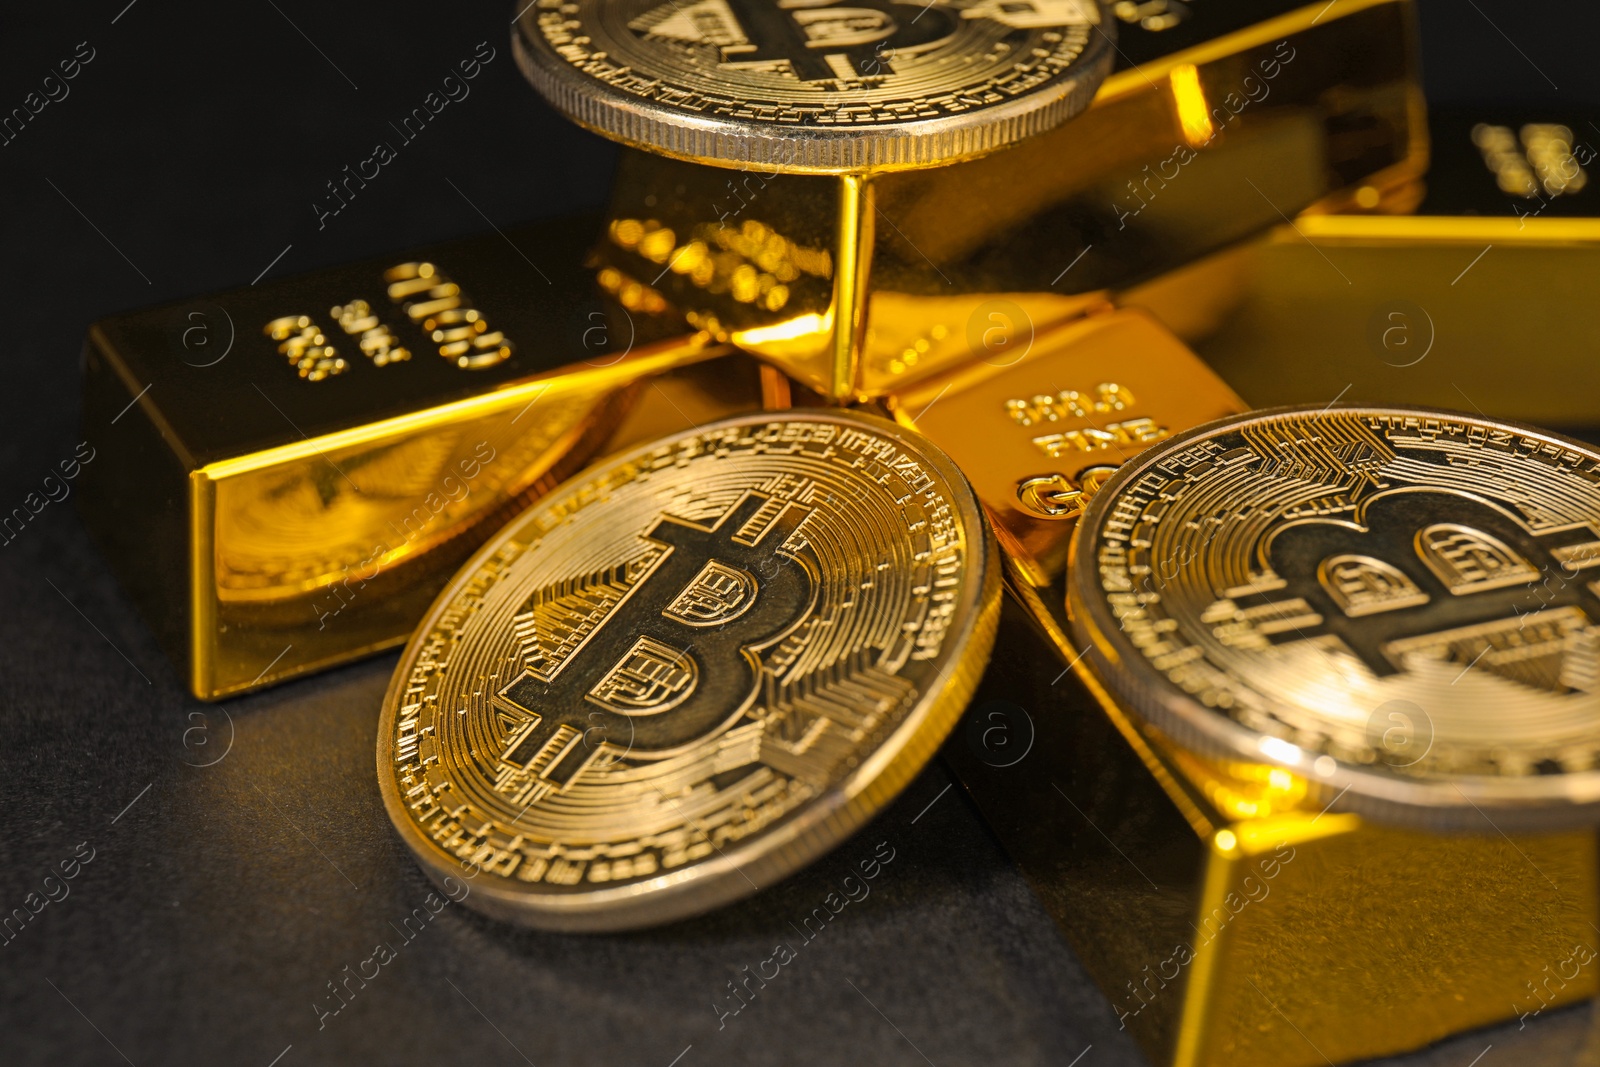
(1229, 926)
(286, 474)
(1490, 314)
(861, 285)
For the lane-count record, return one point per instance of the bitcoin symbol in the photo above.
(1440, 579)
(793, 83)
(685, 664)
(819, 42)
(1361, 567)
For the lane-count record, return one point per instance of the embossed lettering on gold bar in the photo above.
(1055, 496)
(306, 347)
(752, 263)
(1037, 451)
(1547, 160)
(437, 304)
(1069, 403)
(428, 298)
(1094, 439)
(378, 343)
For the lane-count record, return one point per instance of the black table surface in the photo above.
(213, 905)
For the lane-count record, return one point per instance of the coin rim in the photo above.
(1556, 801)
(733, 143)
(814, 828)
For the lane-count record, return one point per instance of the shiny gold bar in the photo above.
(1229, 926)
(1448, 311)
(286, 474)
(861, 285)
(1227, 922)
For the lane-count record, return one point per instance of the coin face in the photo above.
(690, 670)
(816, 85)
(1402, 606)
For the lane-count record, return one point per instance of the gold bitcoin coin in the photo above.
(690, 670)
(1400, 606)
(814, 85)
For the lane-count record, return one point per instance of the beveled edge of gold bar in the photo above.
(1138, 78)
(632, 367)
(1443, 229)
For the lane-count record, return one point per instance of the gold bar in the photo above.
(1440, 308)
(859, 286)
(1426, 310)
(695, 394)
(1229, 925)
(286, 474)
(1281, 939)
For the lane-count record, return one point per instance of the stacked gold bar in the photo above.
(286, 475)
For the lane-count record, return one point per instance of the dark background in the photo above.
(219, 904)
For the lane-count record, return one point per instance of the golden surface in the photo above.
(342, 514)
(690, 670)
(695, 394)
(860, 285)
(1036, 430)
(1417, 937)
(1229, 918)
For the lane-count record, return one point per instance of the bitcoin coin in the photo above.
(1401, 606)
(815, 85)
(690, 670)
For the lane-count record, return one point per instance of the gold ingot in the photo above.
(285, 475)
(862, 284)
(1437, 310)
(1285, 938)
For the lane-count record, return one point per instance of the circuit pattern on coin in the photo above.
(816, 85)
(1402, 605)
(690, 670)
